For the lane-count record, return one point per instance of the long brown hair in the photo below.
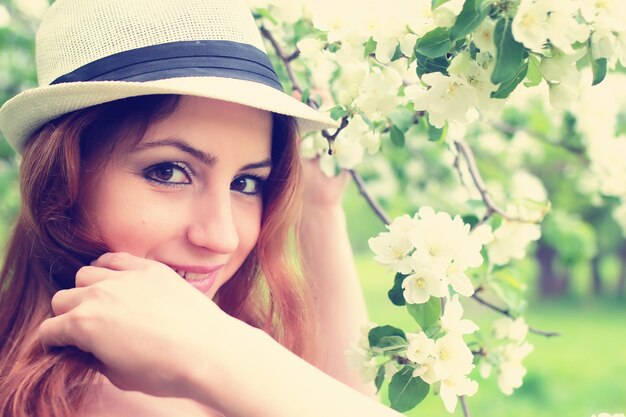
(53, 238)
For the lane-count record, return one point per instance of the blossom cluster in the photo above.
(506, 353)
(439, 68)
(446, 360)
(434, 250)
(431, 252)
(454, 60)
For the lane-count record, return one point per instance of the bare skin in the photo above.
(179, 349)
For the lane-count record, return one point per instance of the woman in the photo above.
(149, 270)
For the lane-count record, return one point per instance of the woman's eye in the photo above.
(169, 173)
(248, 184)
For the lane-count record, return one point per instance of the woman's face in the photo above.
(189, 194)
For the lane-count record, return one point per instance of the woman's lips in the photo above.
(201, 278)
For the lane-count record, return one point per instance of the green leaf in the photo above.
(469, 19)
(391, 344)
(397, 136)
(533, 76)
(510, 53)
(598, 69)
(405, 391)
(397, 54)
(370, 47)
(380, 378)
(396, 294)
(377, 333)
(435, 134)
(338, 112)
(437, 3)
(427, 65)
(434, 44)
(470, 219)
(426, 314)
(507, 87)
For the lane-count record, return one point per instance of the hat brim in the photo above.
(21, 116)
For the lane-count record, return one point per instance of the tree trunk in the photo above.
(596, 277)
(620, 290)
(551, 282)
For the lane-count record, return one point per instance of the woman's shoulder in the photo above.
(113, 402)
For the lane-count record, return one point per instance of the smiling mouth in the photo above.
(201, 282)
(192, 276)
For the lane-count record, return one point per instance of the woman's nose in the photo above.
(212, 224)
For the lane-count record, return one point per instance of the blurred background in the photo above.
(572, 280)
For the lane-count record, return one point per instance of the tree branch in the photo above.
(492, 208)
(371, 201)
(285, 58)
(330, 138)
(507, 313)
(466, 411)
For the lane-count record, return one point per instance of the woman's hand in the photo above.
(329, 267)
(321, 191)
(147, 326)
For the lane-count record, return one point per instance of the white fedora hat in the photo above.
(94, 51)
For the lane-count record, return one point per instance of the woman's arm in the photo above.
(330, 269)
(156, 334)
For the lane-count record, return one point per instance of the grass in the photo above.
(580, 373)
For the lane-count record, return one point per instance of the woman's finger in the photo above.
(59, 331)
(67, 300)
(120, 261)
(89, 275)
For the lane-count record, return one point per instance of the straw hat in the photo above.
(95, 51)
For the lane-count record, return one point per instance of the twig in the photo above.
(492, 208)
(466, 411)
(284, 57)
(332, 137)
(508, 314)
(468, 155)
(378, 210)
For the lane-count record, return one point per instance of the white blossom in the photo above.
(507, 328)
(452, 321)
(359, 357)
(445, 15)
(538, 22)
(511, 371)
(512, 238)
(452, 388)
(426, 371)
(393, 247)
(448, 98)
(608, 415)
(420, 347)
(483, 36)
(422, 284)
(378, 95)
(453, 357)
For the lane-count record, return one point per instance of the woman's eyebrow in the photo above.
(263, 164)
(183, 146)
(205, 157)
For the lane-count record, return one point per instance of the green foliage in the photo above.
(397, 136)
(471, 16)
(426, 65)
(378, 335)
(510, 56)
(396, 294)
(573, 239)
(425, 314)
(434, 44)
(405, 391)
(533, 75)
